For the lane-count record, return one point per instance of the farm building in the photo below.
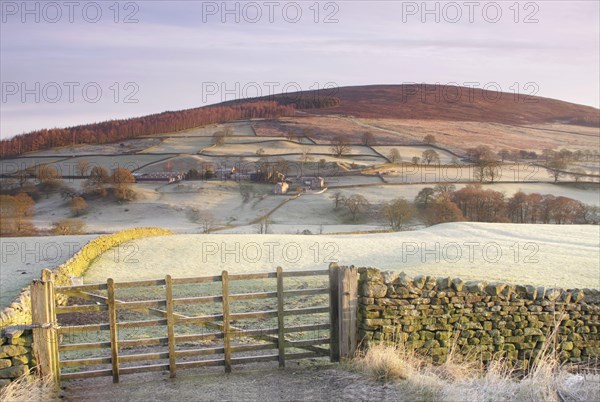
(169, 177)
(312, 183)
(281, 188)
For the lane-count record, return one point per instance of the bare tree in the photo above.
(219, 138)
(482, 153)
(368, 139)
(556, 168)
(122, 180)
(444, 188)
(305, 155)
(82, 167)
(15, 215)
(394, 155)
(97, 181)
(78, 206)
(398, 212)
(424, 197)
(429, 139)
(429, 156)
(578, 174)
(49, 178)
(356, 204)
(416, 160)
(246, 191)
(492, 171)
(504, 154)
(340, 146)
(338, 199)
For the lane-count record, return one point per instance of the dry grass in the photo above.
(464, 380)
(29, 388)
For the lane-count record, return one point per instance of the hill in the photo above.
(399, 102)
(436, 102)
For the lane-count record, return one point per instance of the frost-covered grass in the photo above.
(189, 145)
(181, 163)
(281, 147)
(68, 167)
(548, 255)
(12, 166)
(408, 152)
(408, 173)
(24, 258)
(237, 128)
(120, 147)
(165, 206)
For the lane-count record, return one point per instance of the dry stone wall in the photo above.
(485, 320)
(16, 357)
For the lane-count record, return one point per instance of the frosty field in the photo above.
(12, 166)
(121, 147)
(407, 152)
(535, 254)
(190, 145)
(24, 258)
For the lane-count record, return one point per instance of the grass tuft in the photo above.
(465, 378)
(30, 388)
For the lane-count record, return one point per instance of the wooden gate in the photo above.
(101, 329)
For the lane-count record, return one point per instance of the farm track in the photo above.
(314, 379)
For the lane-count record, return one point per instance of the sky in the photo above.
(67, 63)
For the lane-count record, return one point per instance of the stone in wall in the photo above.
(15, 353)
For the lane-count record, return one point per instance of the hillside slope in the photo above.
(434, 102)
(400, 102)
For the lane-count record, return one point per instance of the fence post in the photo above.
(114, 339)
(226, 333)
(170, 326)
(280, 318)
(43, 318)
(348, 305)
(334, 329)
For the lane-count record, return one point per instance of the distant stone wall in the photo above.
(16, 356)
(486, 320)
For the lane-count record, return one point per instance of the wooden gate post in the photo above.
(171, 327)
(226, 330)
(348, 305)
(43, 318)
(343, 304)
(280, 318)
(114, 336)
(334, 329)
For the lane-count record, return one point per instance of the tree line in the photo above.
(443, 203)
(117, 130)
(18, 198)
